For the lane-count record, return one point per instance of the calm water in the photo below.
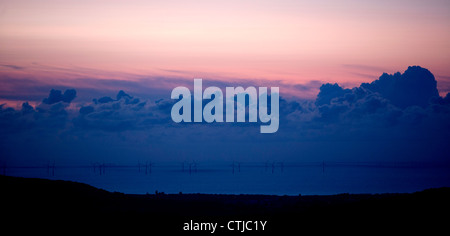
(275, 179)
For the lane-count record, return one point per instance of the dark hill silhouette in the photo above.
(47, 205)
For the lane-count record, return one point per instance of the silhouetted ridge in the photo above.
(85, 207)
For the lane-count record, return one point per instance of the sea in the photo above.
(275, 178)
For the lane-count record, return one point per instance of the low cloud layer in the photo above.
(398, 117)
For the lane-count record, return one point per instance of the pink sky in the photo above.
(292, 41)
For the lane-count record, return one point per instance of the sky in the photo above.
(283, 42)
(359, 80)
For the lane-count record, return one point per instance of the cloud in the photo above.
(388, 113)
(443, 85)
(415, 87)
(14, 67)
(313, 84)
(123, 113)
(364, 75)
(399, 113)
(20, 88)
(387, 100)
(56, 96)
(364, 71)
(328, 92)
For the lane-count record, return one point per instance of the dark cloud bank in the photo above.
(398, 117)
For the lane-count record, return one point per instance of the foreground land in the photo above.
(44, 205)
